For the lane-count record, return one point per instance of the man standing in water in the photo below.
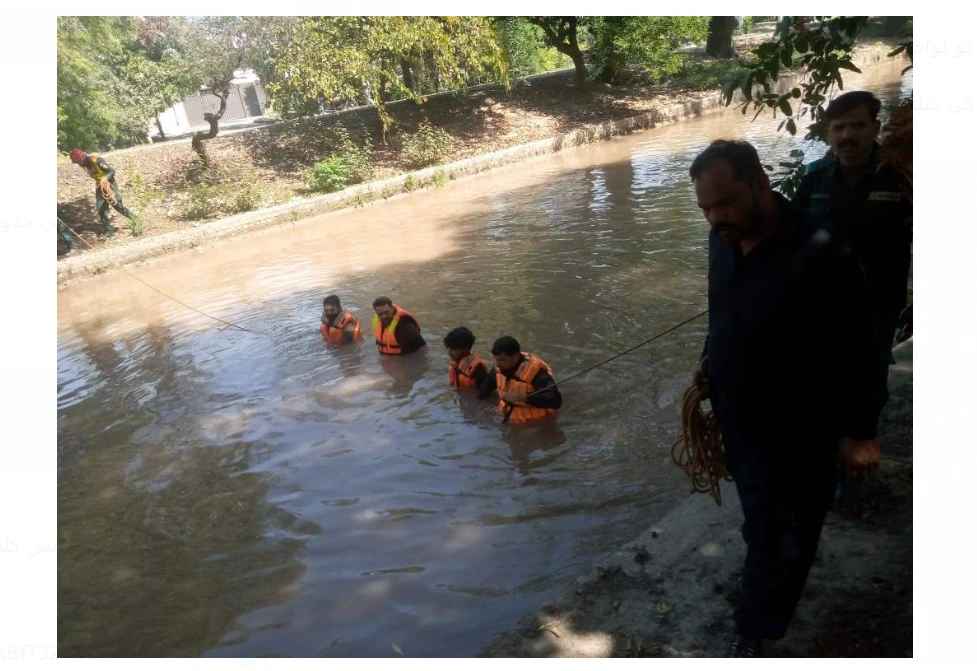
(338, 326)
(396, 330)
(867, 206)
(524, 382)
(789, 366)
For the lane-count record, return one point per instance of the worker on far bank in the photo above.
(65, 233)
(106, 190)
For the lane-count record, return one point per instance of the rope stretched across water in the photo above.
(160, 291)
(700, 433)
(608, 360)
(698, 450)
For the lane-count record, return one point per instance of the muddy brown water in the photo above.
(222, 493)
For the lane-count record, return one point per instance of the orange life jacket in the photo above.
(522, 381)
(461, 374)
(334, 334)
(386, 337)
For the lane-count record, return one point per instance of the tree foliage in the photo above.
(648, 43)
(335, 57)
(113, 77)
(821, 48)
(561, 33)
(116, 73)
(526, 49)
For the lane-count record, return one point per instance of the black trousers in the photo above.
(785, 491)
(885, 332)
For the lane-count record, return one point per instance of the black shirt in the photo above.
(790, 340)
(874, 216)
(550, 398)
(408, 337)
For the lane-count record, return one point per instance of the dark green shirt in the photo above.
(874, 217)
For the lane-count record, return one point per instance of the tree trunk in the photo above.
(407, 74)
(574, 53)
(580, 67)
(159, 126)
(720, 41)
(214, 120)
(565, 41)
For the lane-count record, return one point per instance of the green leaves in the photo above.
(338, 57)
(825, 50)
(109, 84)
(648, 43)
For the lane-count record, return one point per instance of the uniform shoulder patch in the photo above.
(890, 196)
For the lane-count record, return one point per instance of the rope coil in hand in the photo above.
(699, 449)
(108, 193)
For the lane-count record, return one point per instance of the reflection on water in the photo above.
(228, 494)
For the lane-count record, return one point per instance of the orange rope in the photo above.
(699, 449)
(108, 193)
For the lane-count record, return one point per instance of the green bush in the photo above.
(427, 146)
(700, 76)
(211, 198)
(327, 176)
(201, 204)
(246, 200)
(348, 164)
(135, 227)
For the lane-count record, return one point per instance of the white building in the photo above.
(247, 99)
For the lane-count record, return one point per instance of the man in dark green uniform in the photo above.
(65, 233)
(106, 190)
(867, 206)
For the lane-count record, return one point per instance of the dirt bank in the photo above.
(670, 593)
(261, 168)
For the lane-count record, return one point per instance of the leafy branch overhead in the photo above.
(821, 48)
(337, 57)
